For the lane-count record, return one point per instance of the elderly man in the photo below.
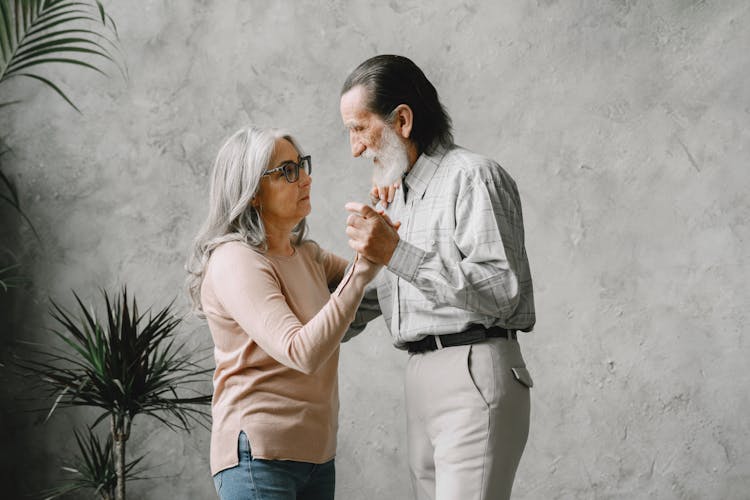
(458, 288)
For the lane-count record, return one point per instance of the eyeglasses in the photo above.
(291, 169)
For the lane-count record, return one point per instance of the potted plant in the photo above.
(127, 365)
(93, 468)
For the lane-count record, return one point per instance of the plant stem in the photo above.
(120, 434)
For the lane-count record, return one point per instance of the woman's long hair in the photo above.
(235, 180)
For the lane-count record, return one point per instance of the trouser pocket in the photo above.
(522, 375)
(236, 483)
(481, 368)
(497, 370)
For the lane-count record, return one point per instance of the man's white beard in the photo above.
(392, 159)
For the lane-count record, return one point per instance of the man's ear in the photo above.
(404, 120)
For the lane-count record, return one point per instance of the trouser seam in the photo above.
(252, 478)
(488, 436)
(484, 459)
(310, 475)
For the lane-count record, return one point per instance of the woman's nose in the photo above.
(305, 179)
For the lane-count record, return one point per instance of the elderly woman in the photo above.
(265, 291)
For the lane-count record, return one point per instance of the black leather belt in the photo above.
(476, 333)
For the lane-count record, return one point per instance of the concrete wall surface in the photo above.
(626, 124)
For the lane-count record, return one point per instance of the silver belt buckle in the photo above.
(437, 342)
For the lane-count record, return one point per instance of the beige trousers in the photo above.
(467, 420)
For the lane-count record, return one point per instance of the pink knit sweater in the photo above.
(276, 330)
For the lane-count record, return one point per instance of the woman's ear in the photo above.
(404, 120)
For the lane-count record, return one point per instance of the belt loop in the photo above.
(437, 342)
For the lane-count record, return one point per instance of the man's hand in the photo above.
(383, 194)
(370, 233)
(395, 225)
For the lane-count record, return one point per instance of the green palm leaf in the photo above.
(8, 278)
(12, 199)
(35, 33)
(8, 264)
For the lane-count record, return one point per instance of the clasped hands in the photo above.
(371, 233)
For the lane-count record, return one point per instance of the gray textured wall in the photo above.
(625, 124)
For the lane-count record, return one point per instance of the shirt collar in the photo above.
(420, 174)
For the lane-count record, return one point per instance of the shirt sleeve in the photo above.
(481, 278)
(249, 291)
(368, 310)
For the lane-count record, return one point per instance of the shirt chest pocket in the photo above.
(430, 224)
(431, 233)
(442, 243)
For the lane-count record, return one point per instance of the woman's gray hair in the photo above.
(235, 180)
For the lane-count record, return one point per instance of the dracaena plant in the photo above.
(93, 469)
(127, 365)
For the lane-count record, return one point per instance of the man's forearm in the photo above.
(368, 310)
(488, 287)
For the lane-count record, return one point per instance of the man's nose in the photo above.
(357, 148)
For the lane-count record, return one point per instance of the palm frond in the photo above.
(11, 198)
(9, 280)
(36, 33)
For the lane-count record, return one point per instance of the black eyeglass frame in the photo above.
(294, 175)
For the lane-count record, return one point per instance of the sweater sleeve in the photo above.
(249, 291)
(335, 267)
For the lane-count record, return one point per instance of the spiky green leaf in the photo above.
(30, 30)
(128, 365)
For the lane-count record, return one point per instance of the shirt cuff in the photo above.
(405, 260)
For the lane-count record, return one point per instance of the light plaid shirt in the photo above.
(461, 259)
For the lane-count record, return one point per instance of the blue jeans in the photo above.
(256, 479)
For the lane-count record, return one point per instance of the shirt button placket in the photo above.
(396, 320)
